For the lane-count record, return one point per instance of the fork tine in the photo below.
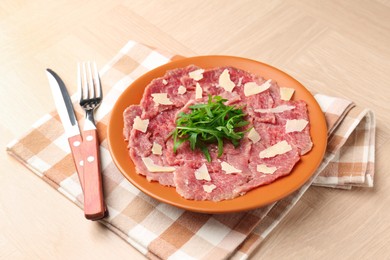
(97, 82)
(91, 86)
(85, 83)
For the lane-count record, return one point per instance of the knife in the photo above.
(68, 118)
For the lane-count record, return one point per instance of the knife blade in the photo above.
(68, 118)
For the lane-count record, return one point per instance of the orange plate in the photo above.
(256, 198)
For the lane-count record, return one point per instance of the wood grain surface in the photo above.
(339, 48)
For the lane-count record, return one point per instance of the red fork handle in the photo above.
(94, 207)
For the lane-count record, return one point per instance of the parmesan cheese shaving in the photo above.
(225, 81)
(278, 109)
(140, 125)
(181, 90)
(202, 173)
(265, 169)
(157, 149)
(229, 168)
(164, 81)
(251, 88)
(161, 98)
(209, 188)
(196, 74)
(286, 93)
(198, 91)
(152, 167)
(253, 135)
(278, 148)
(239, 82)
(296, 125)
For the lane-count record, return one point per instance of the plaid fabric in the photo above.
(159, 230)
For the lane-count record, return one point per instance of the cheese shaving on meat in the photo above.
(254, 136)
(157, 149)
(229, 168)
(161, 98)
(286, 93)
(181, 90)
(196, 74)
(225, 82)
(278, 148)
(265, 169)
(198, 91)
(209, 188)
(202, 173)
(251, 88)
(296, 125)
(152, 167)
(239, 82)
(140, 125)
(278, 109)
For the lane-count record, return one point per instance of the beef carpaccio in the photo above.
(278, 136)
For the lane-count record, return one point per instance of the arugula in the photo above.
(211, 122)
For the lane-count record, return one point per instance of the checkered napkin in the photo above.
(162, 231)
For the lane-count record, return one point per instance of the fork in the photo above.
(91, 96)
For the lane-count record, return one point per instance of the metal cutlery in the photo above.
(83, 146)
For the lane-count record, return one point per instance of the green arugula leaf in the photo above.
(207, 123)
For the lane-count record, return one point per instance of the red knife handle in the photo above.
(76, 146)
(94, 207)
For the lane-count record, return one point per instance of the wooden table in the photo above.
(339, 48)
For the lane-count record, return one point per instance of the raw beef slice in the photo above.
(179, 88)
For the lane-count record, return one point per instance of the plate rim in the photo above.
(226, 206)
